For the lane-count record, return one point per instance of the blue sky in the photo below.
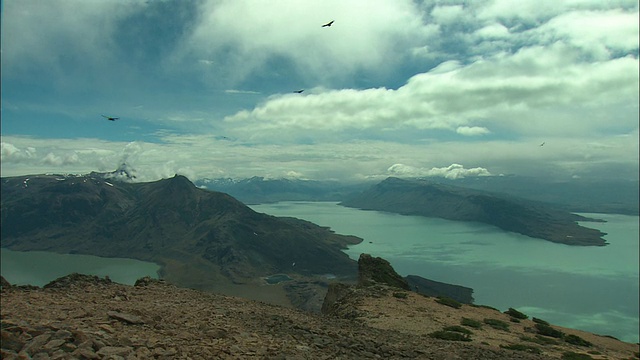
(392, 88)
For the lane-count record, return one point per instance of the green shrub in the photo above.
(471, 323)
(516, 314)
(540, 321)
(400, 295)
(541, 340)
(514, 320)
(547, 330)
(522, 347)
(577, 340)
(497, 324)
(448, 302)
(459, 329)
(570, 355)
(450, 335)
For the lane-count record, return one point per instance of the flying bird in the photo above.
(542, 143)
(299, 91)
(328, 24)
(110, 118)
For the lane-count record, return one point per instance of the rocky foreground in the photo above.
(85, 317)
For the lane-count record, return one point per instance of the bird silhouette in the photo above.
(542, 144)
(328, 24)
(299, 91)
(110, 118)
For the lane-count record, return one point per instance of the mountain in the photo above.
(200, 238)
(425, 198)
(258, 190)
(616, 196)
(574, 195)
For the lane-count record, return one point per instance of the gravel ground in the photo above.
(83, 317)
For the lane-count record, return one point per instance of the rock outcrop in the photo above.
(376, 270)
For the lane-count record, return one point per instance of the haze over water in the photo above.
(588, 288)
(41, 267)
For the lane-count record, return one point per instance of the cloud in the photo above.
(267, 32)
(447, 14)
(453, 171)
(390, 82)
(600, 34)
(234, 91)
(493, 31)
(43, 32)
(535, 90)
(11, 153)
(472, 130)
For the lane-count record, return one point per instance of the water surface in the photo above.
(41, 267)
(589, 288)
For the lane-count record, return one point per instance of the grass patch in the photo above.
(459, 329)
(449, 302)
(471, 323)
(497, 324)
(516, 314)
(450, 335)
(577, 340)
(570, 355)
(522, 347)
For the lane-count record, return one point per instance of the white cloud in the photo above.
(39, 30)
(447, 14)
(453, 171)
(11, 153)
(493, 31)
(537, 89)
(597, 33)
(365, 35)
(472, 130)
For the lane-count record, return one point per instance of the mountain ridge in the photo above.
(424, 198)
(200, 238)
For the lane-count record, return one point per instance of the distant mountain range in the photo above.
(575, 195)
(424, 198)
(259, 190)
(200, 237)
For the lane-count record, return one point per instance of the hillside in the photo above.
(80, 316)
(201, 239)
(423, 198)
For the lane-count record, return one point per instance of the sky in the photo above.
(207, 89)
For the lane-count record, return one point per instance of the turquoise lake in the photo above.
(40, 267)
(588, 288)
